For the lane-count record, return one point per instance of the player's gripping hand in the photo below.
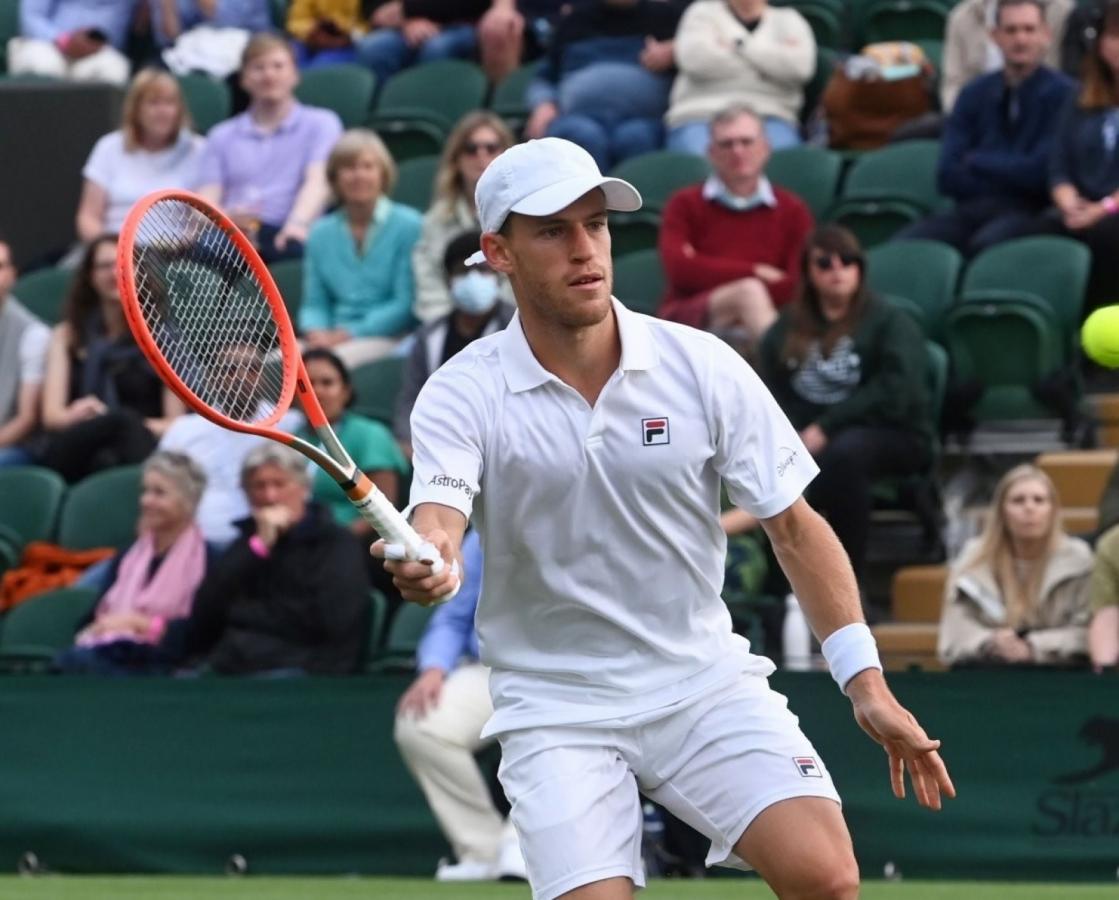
(908, 746)
(415, 580)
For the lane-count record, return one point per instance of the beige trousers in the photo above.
(27, 56)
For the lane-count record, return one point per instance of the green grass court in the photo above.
(52, 887)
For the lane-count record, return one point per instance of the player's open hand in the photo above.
(908, 746)
(415, 580)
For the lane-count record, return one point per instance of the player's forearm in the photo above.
(817, 568)
(429, 517)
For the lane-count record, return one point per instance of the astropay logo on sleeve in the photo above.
(456, 484)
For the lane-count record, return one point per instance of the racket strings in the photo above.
(207, 312)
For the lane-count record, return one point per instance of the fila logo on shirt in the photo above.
(807, 767)
(654, 431)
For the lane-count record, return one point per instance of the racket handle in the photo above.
(393, 527)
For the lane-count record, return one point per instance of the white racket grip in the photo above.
(394, 528)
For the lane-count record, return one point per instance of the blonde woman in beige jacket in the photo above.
(739, 51)
(1018, 593)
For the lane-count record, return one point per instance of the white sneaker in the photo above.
(510, 862)
(467, 870)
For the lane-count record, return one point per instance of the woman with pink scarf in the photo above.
(155, 579)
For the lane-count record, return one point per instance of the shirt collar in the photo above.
(286, 124)
(714, 189)
(523, 371)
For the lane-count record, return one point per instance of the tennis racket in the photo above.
(208, 316)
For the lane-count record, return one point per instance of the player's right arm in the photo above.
(444, 527)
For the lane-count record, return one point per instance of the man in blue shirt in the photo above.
(995, 149)
(439, 721)
(78, 39)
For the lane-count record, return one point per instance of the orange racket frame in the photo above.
(374, 507)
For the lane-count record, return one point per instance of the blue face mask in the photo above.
(475, 292)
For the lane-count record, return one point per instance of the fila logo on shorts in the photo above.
(807, 767)
(654, 431)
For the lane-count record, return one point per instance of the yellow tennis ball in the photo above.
(1100, 336)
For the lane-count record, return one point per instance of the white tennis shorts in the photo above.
(715, 762)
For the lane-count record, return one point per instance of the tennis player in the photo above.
(589, 442)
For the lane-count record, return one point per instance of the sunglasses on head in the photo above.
(472, 148)
(828, 260)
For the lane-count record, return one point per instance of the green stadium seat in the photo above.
(9, 28)
(418, 107)
(639, 281)
(208, 100)
(346, 88)
(812, 173)
(41, 626)
(826, 22)
(376, 386)
(415, 182)
(101, 510)
(32, 497)
(901, 20)
(657, 176)
(509, 96)
(979, 333)
(826, 60)
(926, 273)
(44, 292)
(402, 638)
(288, 275)
(378, 609)
(887, 189)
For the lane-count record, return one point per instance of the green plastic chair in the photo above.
(418, 107)
(32, 497)
(1007, 344)
(398, 652)
(346, 88)
(639, 281)
(9, 28)
(509, 96)
(901, 20)
(101, 510)
(657, 176)
(378, 609)
(1054, 269)
(44, 292)
(41, 626)
(925, 273)
(826, 21)
(889, 188)
(812, 173)
(208, 100)
(415, 181)
(376, 386)
(826, 60)
(288, 275)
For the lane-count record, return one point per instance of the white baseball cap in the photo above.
(539, 178)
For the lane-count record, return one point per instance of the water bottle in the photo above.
(796, 637)
(652, 839)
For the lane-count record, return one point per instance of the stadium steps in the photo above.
(1080, 477)
(910, 640)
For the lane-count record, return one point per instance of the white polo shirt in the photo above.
(604, 556)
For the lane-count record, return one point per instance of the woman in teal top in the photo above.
(370, 443)
(358, 287)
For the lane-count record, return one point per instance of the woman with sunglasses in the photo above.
(476, 140)
(848, 369)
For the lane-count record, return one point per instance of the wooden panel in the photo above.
(903, 645)
(1080, 475)
(917, 592)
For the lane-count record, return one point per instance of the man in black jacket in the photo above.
(290, 594)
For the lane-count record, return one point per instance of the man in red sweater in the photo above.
(731, 247)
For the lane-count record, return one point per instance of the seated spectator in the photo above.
(103, 405)
(438, 729)
(290, 594)
(369, 443)
(731, 248)
(153, 149)
(477, 139)
(151, 583)
(358, 288)
(1018, 593)
(72, 39)
(207, 35)
(1084, 166)
(515, 30)
(220, 452)
(970, 51)
(478, 310)
(605, 80)
(848, 369)
(23, 357)
(995, 150)
(1103, 631)
(266, 167)
(325, 30)
(739, 51)
(413, 32)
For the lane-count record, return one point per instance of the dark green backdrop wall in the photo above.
(302, 776)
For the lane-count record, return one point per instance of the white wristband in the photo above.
(849, 651)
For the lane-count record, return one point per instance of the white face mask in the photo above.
(475, 292)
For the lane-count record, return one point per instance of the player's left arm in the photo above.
(824, 583)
